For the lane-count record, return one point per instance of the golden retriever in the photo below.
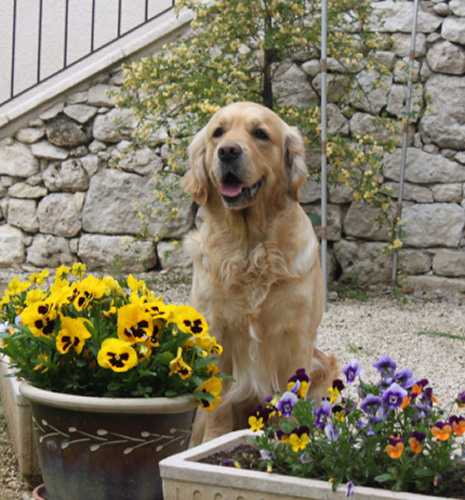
(257, 278)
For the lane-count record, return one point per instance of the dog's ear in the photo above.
(195, 182)
(295, 162)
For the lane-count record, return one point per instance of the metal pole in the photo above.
(324, 241)
(400, 197)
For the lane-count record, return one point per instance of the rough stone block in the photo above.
(12, 245)
(364, 261)
(449, 263)
(433, 224)
(17, 160)
(100, 252)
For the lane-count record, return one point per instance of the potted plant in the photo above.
(375, 439)
(113, 375)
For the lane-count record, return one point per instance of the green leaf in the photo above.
(383, 478)
(204, 395)
(170, 394)
(442, 334)
(113, 386)
(165, 358)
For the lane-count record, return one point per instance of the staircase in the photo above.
(51, 46)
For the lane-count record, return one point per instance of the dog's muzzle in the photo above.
(234, 192)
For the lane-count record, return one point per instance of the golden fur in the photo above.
(257, 276)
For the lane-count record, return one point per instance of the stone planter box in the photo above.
(187, 479)
(19, 421)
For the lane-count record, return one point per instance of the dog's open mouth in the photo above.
(236, 193)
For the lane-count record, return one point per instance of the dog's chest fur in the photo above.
(236, 279)
(240, 277)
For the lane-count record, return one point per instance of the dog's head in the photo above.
(244, 154)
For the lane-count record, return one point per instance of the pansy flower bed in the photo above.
(390, 434)
(80, 334)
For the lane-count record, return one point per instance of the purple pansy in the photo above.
(427, 396)
(422, 410)
(338, 384)
(352, 370)
(296, 387)
(262, 412)
(350, 490)
(371, 404)
(266, 455)
(331, 432)
(385, 366)
(303, 429)
(394, 395)
(461, 398)
(322, 413)
(405, 378)
(419, 436)
(286, 404)
(230, 463)
(437, 481)
(300, 375)
(395, 440)
(382, 413)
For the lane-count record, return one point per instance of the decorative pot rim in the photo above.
(161, 405)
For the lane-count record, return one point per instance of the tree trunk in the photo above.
(268, 61)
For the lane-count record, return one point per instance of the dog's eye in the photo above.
(260, 134)
(218, 132)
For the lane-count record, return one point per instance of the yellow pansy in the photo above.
(134, 324)
(111, 285)
(62, 272)
(117, 355)
(298, 442)
(212, 386)
(189, 320)
(87, 290)
(78, 269)
(179, 366)
(72, 334)
(40, 317)
(35, 296)
(16, 286)
(256, 423)
(209, 344)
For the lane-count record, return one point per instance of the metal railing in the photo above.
(42, 38)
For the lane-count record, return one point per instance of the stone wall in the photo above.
(62, 201)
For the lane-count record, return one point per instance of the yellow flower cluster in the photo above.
(79, 334)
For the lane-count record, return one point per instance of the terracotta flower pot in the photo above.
(105, 448)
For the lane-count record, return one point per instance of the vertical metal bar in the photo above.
(65, 42)
(13, 50)
(119, 17)
(92, 29)
(400, 197)
(39, 40)
(324, 239)
(146, 10)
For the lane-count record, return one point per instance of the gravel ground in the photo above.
(421, 331)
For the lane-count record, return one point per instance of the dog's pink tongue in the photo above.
(231, 190)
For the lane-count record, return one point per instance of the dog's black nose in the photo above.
(229, 152)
